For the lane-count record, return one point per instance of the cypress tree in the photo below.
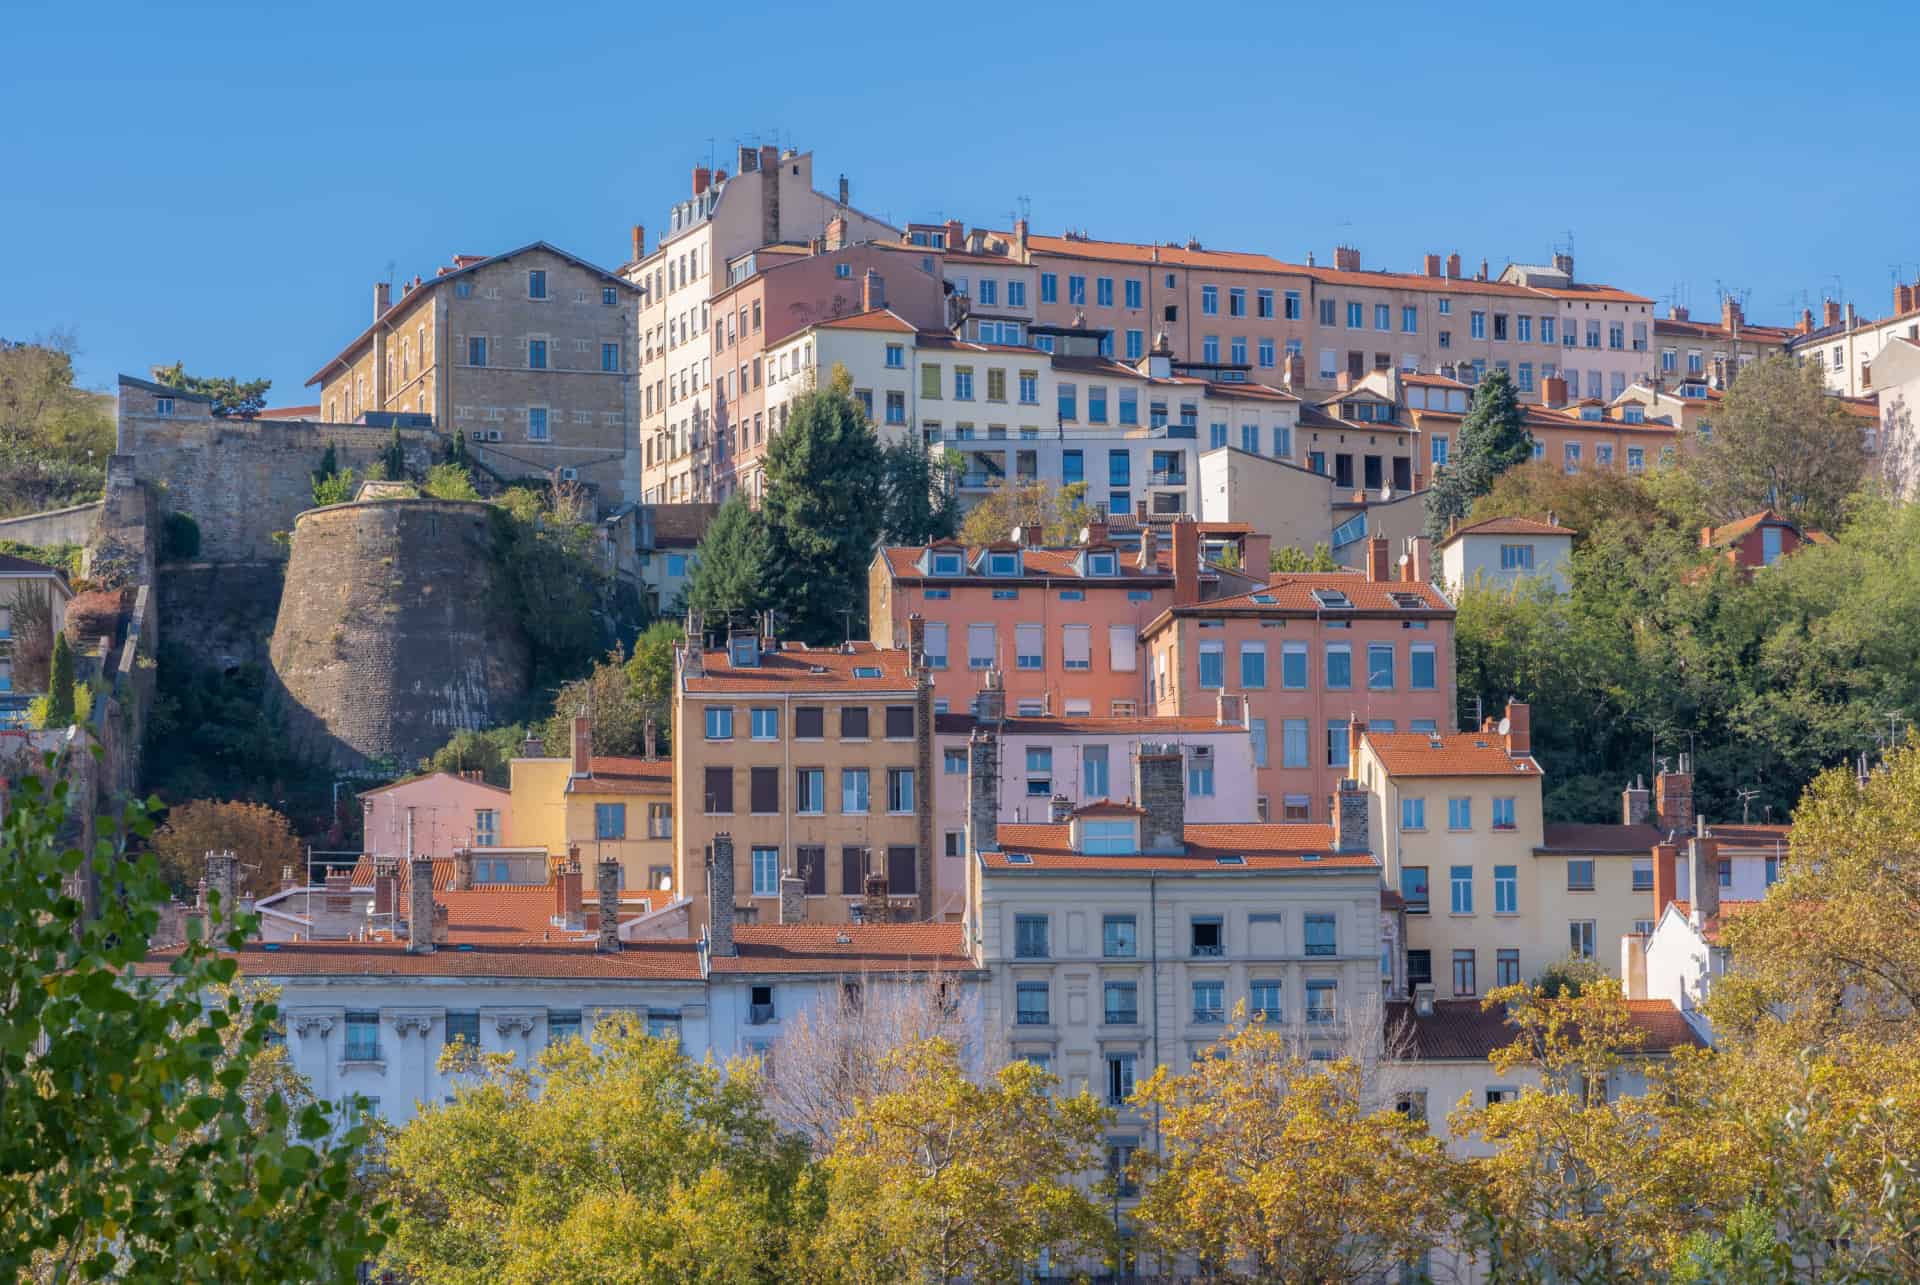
(1493, 438)
(60, 684)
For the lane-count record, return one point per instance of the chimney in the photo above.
(1564, 263)
(983, 791)
(1296, 372)
(769, 158)
(956, 235)
(1453, 265)
(874, 907)
(1852, 318)
(1020, 238)
(1519, 729)
(1356, 732)
(382, 299)
(582, 745)
(701, 176)
(746, 161)
(1553, 391)
(843, 189)
(650, 735)
(720, 897)
(1806, 321)
(532, 747)
(1377, 571)
(1060, 810)
(694, 649)
(1677, 313)
(1350, 817)
(1703, 877)
(1186, 563)
(568, 909)
(793, 898)
(1416, 564)
(1346, 258)
(1666, 878)
(990, 705)
(1256, 554)
(1636, 803)
(873, 291)
(1096, 529)
(223, 877)
(420, 907)
(1730, 318)
(1673, 799)
(916, 642)
(639, 240)
(836, 233)
(1423, 999)
(462, 870)
(1903, 297)
(1829, 312)
(606, 878)
(339, 885)
(1149, 549)
(1483, 271)
(1160, 787)
(386, 884)
(1432, 265)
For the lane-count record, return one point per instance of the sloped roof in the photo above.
(1508, 526)
(878, 319)
(1264, 846)
(793, 667)
(1583, 838)
(1292, 595)
(624, 774)
(845, 948)
(1035, 564)
(1463, 1030)
(1461, 754)
(1090, 725)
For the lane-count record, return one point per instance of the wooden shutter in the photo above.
(809, 722)
(902, 872)
(853, 722)
(899, 721)
(719, 789)
(853, 870)
(765, 786)
(813, 866)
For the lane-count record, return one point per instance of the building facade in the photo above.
(434, 814)
(1506, 551)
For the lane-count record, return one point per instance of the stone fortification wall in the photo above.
(220, 613)
(55, 526)
(393, 631)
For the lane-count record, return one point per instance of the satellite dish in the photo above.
(1506, 725)
(666, 883)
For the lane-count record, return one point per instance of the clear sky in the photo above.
(223, 183)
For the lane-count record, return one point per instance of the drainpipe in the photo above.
(1153, 971)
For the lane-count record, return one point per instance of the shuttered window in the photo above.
(765, 796)
(902, 880)
(813, 868)
(853, 870)
(1120, 649)
(1076, 646)
(719, 789)
(809, 722)
(853, 723)
(899, 722)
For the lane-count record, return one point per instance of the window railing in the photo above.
(1169, 477)
(1028, 1017)
(1123, 1017)
(1270, 1013)
(363, 1048)
(759, 1014)
(1202, 950)
(1208, 1014)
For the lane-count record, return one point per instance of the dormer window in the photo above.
(947, 564)
(743, 651)
(1100, 564)
(1108, 837)
(1589, 412)
(866, 671)
(1003, 564)
(1634, 414)
(1333, 599)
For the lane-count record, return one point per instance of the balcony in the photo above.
(980, 481)
(759, 1014)
(1204, 951)
(1168, 477)
(1123, 1017)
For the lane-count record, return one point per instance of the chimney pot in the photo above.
(582, 745)
(382, 299)
(720, 897)
(606, 877)
(1519, 728)
(1453, 265)
(1673, 799)
(1431, 266)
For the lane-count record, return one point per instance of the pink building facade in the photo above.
(446, 812)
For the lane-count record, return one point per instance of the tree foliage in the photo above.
(333, 488)
(1060, 514)
(918, 486)
(55, 436)
(244, 398)
(1493, 438)
(824, 508)
(609, 696)
(61, 703)
(260, 837)
(1780, 441)
(449, 481)
(547, 562)
(731, 578)
(146, 1131)
(489, 752)
(1291, 557)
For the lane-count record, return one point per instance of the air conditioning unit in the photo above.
(569, 474)
(492, 434)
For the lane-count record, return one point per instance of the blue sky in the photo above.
(222, 183)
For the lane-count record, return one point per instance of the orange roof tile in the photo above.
(845, 948)
(1509, 526)
(643, 961)
(1573, 836)
(1593, 291)
(1461, 754)
(1036, 565)
(1166, 256)
(1109, 808)
(801, 668)
(1262, 846)
(622, 774)
(1466, 1030)
(1292, 594)
(1090, 725)
(878, 319)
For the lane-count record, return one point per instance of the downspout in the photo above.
(1153, 970)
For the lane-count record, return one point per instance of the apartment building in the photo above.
(1058, 627)
(1710, 351)
(1505, 551)
(1845, 344)
(530, 354)
(1586, 433)
(598, 807)
(432, 814)
(1124, 937)
(1897, 415)
(1315, 656)
(1300, 507)
(815, 766)
(769, 200)
(1605, 333)
(1459, 818)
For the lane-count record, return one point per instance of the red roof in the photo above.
(796, 667)
(622, 774)
(1461, 754)
(1292, 594)
(652, 961)
(1261, 845)
(1109, 808)
(842, 948)
(1465, 1030)
(878, 319)
(1089, 725)
(1508, 526)
(1035, 565)
(362, 876)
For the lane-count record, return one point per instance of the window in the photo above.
(1119, 937)
(1643, 874)
(1413, 813)
(1029, 646)
(1772, 872)
(1077, 290)
(1209, 936)
(536, 423)
(763, 790)
(1580, 874)
(1122, 1003)
(1382, 316)
(1463, 969)
(1337, 743)
(759, 1005)
(536, 354)
(1257, 735)
(809, 723)
(719, 722)
(1119, 1077)
(1477, 324)
(1264, 1000)
(899, 789)
(610, 357)
(163, 406)
(1506, 967)
(1459, 814)
(855, 787)
(1356, 315)
(1293, 742)
(766, 723)
(1212, 664)
(363, 1037)
(1209, 1002)
(1339, 667)
(980, 646)
(562, 1025)
(963, 383)
(1200, 776)
(1460, 882)
(1420, 968)
(719, 791)
(954, 762)
(1380, 667)
(1030, 1000)
(1322, 1001)
(1209, 301)
(1580, 938)
(1421, 667)
(536, 284)
(810, 788)
(1503, 814)
(1320, 935)
(1506, 890)
(1030, 936)
(766, 872)
(464, 1026)
(609, 820)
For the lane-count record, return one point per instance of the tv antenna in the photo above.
(1746, 795)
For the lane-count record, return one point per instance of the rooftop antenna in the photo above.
(1746, 795)
(1025, 204)
(846, 613)
(1766, 811)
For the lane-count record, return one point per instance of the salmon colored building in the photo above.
(1312, 653)
(1060, 625)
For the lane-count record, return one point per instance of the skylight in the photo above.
(1408, 601)
(1019, 859)
(1265, 599)
(866, 671)
(1230, 861)
(1333, 599)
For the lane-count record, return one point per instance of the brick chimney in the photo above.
(582, 745)
(1806, 322)
(382, 299)
(1829, 312)
(1346, 258)
(639, 240)
(223, 877)
(606, 878)
(1636, 803)
(1160, 787)
(420, 907)
(983, 791)
(1553, 391)
(1350, 817)
(875, 908)
(873, 291)
(1483, 271)
(1186, 563)
(1519, 729)
(1677, 313)
(568, 908)
(1377, 571)
(701, 177)
(1666, 877)
(1149, 559)
(990, 704)
(462, 870)
(793, 898)
(1020, 234)
(1903, 299)
(1453, 265)
(1673, 799)
(1703, 877)
(836, 233)
(1256, 554)
(1416, 564)
(1432, 265)
(1730, 315)
(720, 897)
(386, 884)
(956, 235)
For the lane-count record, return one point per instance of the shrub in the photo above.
(179, 537)
(450, 482)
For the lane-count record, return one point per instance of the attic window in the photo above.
(866, 671)
(1265, 599)
(1230, 861)
(1634, 414)
(1309, 856)
(744, 651)
(1480, 745)
(1589, 412)
(946, 564)
(1100, 564)
(1003, 564)
(1333, 599)
(1408, 601)
(1019, 859)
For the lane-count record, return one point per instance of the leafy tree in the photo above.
(457, 448)
(732, 576)
(253, 832)
(921, 505)
(1289, 557)
(450, 482)
(148, 1131)
(1780, 441)
(55, 437)
(488, 752)
(244, 398)
(1746, 1249)
(60, 699)
(334, 488)
(823, 515)
(1059, 514)
(650, 673)
(1274, 1169)
(1569, 977)
(617, 1160)
(1583, 500)
(608, 695)
(1493, 438)
(393, 461)
(568, 605)
(947, 1180)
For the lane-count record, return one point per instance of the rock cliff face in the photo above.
(393, 631)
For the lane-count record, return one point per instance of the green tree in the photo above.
(450, 481)
(334, 488)
(329, 464)
(650, 674)
(55, 436)
(244, 398)
(921, 504)
(823, 515)
(1060, 514)
(146, 1132)
(1780, 441)
(489, 752)
(60, 699)
(1291, 557)
(259, 836)
(617, 1160)
(1583, 500)
(393, 461)
(732, 576)
(1493, 438)
(607, 695)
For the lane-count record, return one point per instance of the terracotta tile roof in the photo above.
(878, 319)
(1574, 836)
(620, 774)
(1263, 847)
(1742, 527)
(1509, 526)
(1292, 594)
(1461, 1030)
(1861, 407)
(1713, 330)
(427, 776)
(1089, 725)
(1391, 900)
(1587, 290)
(1109, 808)
(362, 877)
(644, 961)
(1369, 279)
(793, 669)
(290, 412)
(1036, 565)
(1461, 754)
(1433, 381)
(845, 948)
(1148, 255)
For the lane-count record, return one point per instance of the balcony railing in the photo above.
(1168, 477)
(1123, 1017)
(759, 1014)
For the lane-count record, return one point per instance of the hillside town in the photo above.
(1322, 769)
